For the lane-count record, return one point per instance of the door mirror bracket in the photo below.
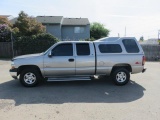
(50, 54)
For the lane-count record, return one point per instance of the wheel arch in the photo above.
(21, 68)
(121, 65)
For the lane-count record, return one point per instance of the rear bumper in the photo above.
(144, 70)
(13, 73)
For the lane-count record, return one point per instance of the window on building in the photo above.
(83, 49)
(110, 48)
(63, 50)
(130, 46)
(78, 29)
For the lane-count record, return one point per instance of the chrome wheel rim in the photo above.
(29, 78)
(121, 77)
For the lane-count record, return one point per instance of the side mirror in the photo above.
(50, 54)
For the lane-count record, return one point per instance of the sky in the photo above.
(138, 17)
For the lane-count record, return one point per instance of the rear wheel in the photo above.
(121, 76)
(29, 77)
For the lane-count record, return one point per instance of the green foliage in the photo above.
(28, 26)
(4, 33)
(4, 20)
(5, 29)
(98, 30)
(35, 43)
(141, 38)
(9, 28)
(30, 36)
(90, 39)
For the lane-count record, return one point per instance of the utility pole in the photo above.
(159, 36)
(12, 45)
(118, 35)
(125, 32)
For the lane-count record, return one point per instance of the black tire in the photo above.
(120, 76)
(30, 77)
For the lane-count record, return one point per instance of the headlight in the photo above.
(12, 62)
(12, 65)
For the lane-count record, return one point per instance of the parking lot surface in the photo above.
(82, 100)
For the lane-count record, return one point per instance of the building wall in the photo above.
(55, 30)
(69, 34)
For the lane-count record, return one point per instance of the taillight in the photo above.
(143, 60)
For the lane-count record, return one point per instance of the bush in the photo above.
(4, 33)
(90, 39)
(35, 43)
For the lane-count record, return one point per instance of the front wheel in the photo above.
(29, 77)
(121, 76)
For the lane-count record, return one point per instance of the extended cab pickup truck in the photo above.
(81, 60)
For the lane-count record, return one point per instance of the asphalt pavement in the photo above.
(82, 100)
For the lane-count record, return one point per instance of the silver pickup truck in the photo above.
(81, 60)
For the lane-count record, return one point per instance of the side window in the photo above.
(83, 49)
(79, 29)
(110, 48)
(130, 46)
(63, 50)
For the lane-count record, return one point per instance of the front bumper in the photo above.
(13, 73)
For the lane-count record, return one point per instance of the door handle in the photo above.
(71, 60)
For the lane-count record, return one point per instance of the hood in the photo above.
(28, 56)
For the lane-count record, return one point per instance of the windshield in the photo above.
(48, 50)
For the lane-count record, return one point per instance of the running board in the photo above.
(67, 78)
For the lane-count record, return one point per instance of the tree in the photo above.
(4, 20)
(4, 33)
(28, 25)
(5, 28)
(97, 30)
(141, 38)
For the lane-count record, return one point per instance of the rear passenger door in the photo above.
(85, 59)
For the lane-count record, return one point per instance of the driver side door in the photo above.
(61, 62)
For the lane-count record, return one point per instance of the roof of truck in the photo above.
(111, 39)
(108, 39)
(105, 39)
(75, 41)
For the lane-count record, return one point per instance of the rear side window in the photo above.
(110, 48)
(83, 49)
(130, 46)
